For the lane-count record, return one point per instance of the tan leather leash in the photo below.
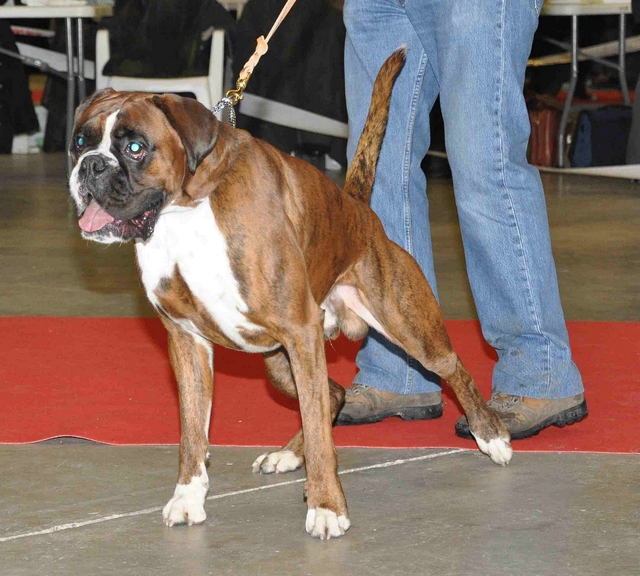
(234, 96)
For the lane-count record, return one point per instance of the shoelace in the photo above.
(357, 389)
(504, 402)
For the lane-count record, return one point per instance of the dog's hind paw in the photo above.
(277, 462)
(498, 449)
(325, 524)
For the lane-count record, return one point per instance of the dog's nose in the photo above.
(93, 166)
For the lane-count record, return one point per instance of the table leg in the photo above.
(572, 88)
(82, 89)
(71, 91)
(622, 61)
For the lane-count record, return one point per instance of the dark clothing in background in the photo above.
(304, 67)
(148, 38)
(17, 113)
(162, 38)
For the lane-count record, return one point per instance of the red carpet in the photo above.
(109, 380)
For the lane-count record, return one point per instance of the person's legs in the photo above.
(482, 50)
(375, 28)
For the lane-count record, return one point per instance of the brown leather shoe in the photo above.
(365, 405)
(526, 417)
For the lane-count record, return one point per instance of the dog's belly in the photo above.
(188, 241)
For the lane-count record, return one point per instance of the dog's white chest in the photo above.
(190, 238)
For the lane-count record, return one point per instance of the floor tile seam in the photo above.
(155, 509)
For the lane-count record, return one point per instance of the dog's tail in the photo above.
(362, 170)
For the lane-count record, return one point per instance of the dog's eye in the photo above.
(79, 142)
(135, 150)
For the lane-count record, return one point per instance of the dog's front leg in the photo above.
(192, 360)
(327, 514)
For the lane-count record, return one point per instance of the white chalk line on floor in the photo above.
(81, 524)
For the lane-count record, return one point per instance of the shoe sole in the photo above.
(409, 413)
(565, 418)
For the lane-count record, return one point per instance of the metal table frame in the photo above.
(574, 11)
(69, 13)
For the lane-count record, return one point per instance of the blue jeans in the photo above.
(472, 53)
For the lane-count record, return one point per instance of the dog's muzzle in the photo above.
(107, 201)
(92, 167)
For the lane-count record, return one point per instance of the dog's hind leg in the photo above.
(291, 456)
(192, 361)
(393, 296)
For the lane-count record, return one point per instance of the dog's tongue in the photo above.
(94, 218)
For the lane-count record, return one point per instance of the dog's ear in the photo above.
(99, 95)
(194, 123)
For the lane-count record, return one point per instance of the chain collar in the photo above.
(226, 102)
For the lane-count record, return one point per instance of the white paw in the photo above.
(187, 503)
(498, 449)
(183, 509)
(324, 524)
(278, 462)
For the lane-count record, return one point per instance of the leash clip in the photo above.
(226, 102)
(237, 94)
(231, 99)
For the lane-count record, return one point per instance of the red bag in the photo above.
(543, 144)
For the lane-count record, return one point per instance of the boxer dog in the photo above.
(241, 245)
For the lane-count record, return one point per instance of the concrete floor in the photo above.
(442, 513)
(74, 508)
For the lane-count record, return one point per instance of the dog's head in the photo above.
(132, 153)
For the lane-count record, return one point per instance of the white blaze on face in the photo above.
(103, 149)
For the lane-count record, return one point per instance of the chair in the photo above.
(208, 90)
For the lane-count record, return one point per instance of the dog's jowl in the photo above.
(243, 246)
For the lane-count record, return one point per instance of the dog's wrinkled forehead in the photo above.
(177, 133)
(134, 114)
(94, 111)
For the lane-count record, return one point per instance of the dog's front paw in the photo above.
(278, 462)
(187, 503)
(183, 509)
(324, 524)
